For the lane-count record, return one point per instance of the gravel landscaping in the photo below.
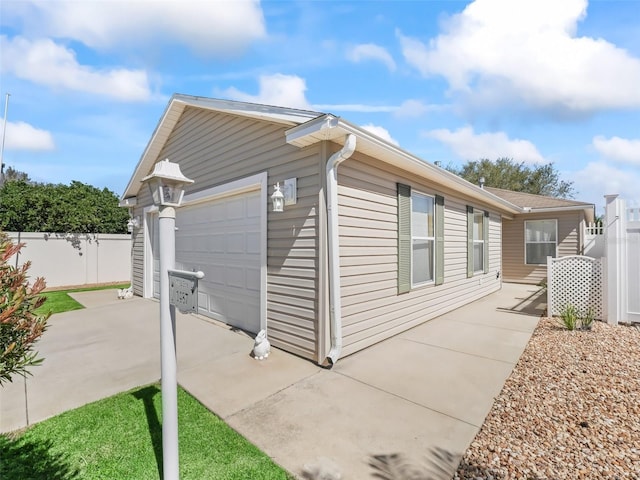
(569, 410)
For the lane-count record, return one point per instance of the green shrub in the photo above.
(20, 327)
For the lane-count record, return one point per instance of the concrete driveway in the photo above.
(406, 406)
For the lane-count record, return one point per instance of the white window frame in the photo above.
(432, 239)
(478, 241)
(526, 243)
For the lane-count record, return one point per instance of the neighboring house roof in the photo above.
(532, 203)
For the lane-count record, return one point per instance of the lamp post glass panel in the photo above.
(166, 183)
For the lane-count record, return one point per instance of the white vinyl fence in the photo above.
(75, 259)
(622, 223)
(610, 285)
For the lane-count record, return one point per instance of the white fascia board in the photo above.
(288, 116)
(160, 134)
(320, 128)
(557, 209)
(589, 210)
(329, 127)
(128, 202)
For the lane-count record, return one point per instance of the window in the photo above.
(477, 241)
(540, 240)
(422, 238)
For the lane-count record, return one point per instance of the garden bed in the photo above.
(570, 409)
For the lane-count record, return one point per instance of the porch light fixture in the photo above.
(132, 224)
(167, 183)
(277, 198)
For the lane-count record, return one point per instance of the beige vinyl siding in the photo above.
(372, 309)
(215, 148)
(143, 200)
(137, 257)
(513, 249)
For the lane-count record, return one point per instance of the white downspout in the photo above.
(335, 308)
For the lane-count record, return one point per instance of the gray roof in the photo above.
(530, 203)
(529, 200)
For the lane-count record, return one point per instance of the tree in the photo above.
(510, 175)
(73, 208)
(20, 326)
(12, 174)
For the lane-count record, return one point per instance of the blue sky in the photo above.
(538, 81)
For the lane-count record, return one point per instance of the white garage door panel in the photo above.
(222, 238)
(253, 279)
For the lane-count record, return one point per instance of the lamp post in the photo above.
(166, 183)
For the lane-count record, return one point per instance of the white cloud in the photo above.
(380, 132)
(501, 51)
(22, 136)
(407, 109)
(618, 149)
(208, 27)
(47, 63)
(370, 51)
(279, 90)
(411, 109)
(355, 107)
(598, 179)
(468, 145)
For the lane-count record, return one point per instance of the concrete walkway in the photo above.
(409, 404)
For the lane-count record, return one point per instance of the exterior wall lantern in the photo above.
(166, 183)
(132, 224)
(277, 198)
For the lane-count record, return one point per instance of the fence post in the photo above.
(550, 286)
(605, 286)
(613, 242)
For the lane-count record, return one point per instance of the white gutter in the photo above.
(586, 206)
(335, 307)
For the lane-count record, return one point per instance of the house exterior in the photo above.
(372, 240)
(546, 227)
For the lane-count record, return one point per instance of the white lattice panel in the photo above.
(577, 281)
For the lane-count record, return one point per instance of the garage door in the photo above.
(222, 238)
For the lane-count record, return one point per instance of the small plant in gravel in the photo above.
(569, 317)
(586, 321)
(572, 319)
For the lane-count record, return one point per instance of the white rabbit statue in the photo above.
(125, 293)
(262, 347)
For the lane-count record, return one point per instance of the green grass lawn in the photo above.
(60, 301)
(121, 438)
